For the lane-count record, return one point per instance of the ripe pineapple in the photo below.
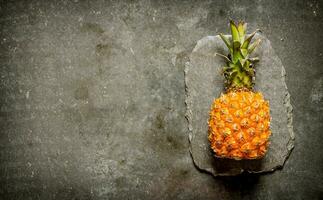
(239, 123)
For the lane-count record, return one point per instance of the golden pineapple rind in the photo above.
(239, 125)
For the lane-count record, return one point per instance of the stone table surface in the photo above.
(92, 98)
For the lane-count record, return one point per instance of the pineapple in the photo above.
(239, 123)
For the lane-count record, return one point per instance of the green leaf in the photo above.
(225, 68)
(248, 68)
(231, 65)
(226, 41)
(232, 73)
(242, 61)
(236, 57)
(246, 65)
(244, 52)
(240, 76)
(253, 60)
(236, 51)
(248, 40)
(254, 45)
(236, 81)
(242, 30)
(234, 31)
(246, 81)
(223, 56)
(236, 45)
(228, 68)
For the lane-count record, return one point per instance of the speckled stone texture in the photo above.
(204, 82)
(92, 98)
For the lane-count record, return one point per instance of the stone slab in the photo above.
(204, 82)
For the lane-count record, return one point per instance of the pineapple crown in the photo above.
(239, 72)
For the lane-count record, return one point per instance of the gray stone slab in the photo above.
(204, 82)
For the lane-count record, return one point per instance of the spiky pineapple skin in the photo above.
(239, 125)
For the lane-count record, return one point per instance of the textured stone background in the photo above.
(92, 98)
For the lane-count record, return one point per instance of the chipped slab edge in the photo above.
(188, 115)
